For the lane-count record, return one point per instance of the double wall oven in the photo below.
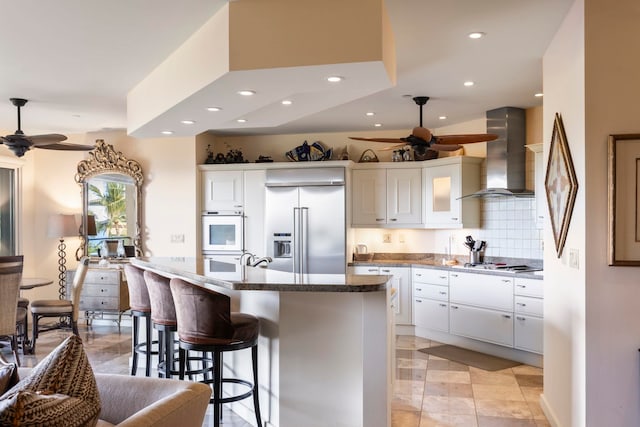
(222, 243)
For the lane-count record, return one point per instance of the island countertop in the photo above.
(263, 279)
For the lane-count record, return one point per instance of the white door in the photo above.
(442, 189)
(369, 196)
(431, 314)
(479, 323)
(404, 196)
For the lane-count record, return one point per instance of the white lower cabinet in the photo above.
(401, 282)
(529, 315)
(482, 324)
(529, 333)
(431, 299)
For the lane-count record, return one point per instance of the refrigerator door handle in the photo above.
(304, 239)
(297, 259)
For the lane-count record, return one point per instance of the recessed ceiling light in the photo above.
(469, 83)
(476, 35)
(246, 92)
(167, 132)
(443, 117)
(334, 79)
(370, 113)
(214, 108)
(378, 125)
(286, 102)
(539, 95)
(187, 122)
(242, 120)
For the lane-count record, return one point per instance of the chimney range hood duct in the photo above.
(506, 156)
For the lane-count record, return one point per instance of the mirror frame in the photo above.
(104, 159)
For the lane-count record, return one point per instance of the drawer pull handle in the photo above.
(372, 269)
(419, 274)
(442, 277)
(393, 219)
(521, 304)
(455, 307)
(379, 219)
(506, 316)
(418, 300)
(454, 219)
(521, 318)
(521, 286)
(386, 271)
(443, 305)
(419, 289)
(454, 275)
(506, 280)
(442, 293)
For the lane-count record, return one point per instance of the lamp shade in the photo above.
(62, 225)
(91, 225)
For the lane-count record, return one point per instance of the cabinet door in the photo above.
(431, 314)
(222, 190)
(402, 284)
(482, 324)
(364, 269)
(481, 290)
(254, 209)
(404, 196)
(369, 195)
(442, 189)
(430, 275)
(529, 333)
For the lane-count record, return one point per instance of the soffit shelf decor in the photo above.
(560, 184)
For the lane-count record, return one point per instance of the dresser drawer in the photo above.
(482, 290)
(102, 276)
(98, 303)
(106, 290)
(422, 290)
(529, 287)
(430, 275)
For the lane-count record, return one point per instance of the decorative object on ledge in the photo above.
(368, 156)
(624, 202)
(61, 226)
(210, 159)
(122, 177)
(560, 184)
(306, 152)
(264, 159)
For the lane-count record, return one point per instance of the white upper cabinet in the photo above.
(444, 183)
(222, 190)
(387, 197)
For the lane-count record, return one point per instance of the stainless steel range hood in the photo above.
(506, 156)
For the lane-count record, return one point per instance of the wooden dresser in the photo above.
(105, 291)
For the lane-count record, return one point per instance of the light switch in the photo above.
(574, 258)
(386, 238)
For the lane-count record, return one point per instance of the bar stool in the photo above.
(163, 319)
(140, 308)
(206, 323)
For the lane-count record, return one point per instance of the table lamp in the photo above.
(61, 226)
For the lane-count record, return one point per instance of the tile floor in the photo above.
(428, 392)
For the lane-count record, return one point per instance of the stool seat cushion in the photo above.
(21, 314)
(246, 327)
(138, 294)
(51, 306)
(23, 302)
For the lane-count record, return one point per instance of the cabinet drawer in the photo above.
(98, 303)
(440, 293)
(428, 275)
(529, 287)
(528, 305)
(431, 314)
(107, 290)
(99, 276)
(479, 323)
(529, 333)
(481, 290)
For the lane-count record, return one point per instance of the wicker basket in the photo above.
(368, 156)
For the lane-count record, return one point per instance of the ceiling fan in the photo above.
(20, 143)
(421, 139)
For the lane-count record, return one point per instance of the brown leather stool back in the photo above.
(163, 311)
(138, 294)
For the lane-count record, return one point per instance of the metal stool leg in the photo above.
(256, 401)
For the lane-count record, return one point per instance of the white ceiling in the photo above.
(76, 60)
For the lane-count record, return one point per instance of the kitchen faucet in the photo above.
(250, 258)
(253, 260)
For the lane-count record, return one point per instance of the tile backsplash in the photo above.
(508, 226)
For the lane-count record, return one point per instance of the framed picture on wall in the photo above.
(560, 184)
(624, 199)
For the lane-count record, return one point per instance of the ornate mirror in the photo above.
(111, 204)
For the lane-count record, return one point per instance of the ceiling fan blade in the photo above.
(465, 139)
(444, 147)
(50, 138)
(66, 147)
(395, 140)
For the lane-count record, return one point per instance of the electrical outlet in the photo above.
(574, 258)
(386, 238)
(177, 238)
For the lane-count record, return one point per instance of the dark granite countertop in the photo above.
(263, 279)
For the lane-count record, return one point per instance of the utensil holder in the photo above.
(475, 257)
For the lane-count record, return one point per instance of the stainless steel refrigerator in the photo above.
(305, 220)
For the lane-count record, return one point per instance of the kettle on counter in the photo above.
(361, 249)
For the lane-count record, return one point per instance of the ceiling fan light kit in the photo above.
(426, 145)
(19, 143)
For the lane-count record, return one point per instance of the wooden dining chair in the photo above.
(10, 278)
(60, 308)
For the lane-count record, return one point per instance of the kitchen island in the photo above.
(325, 348)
